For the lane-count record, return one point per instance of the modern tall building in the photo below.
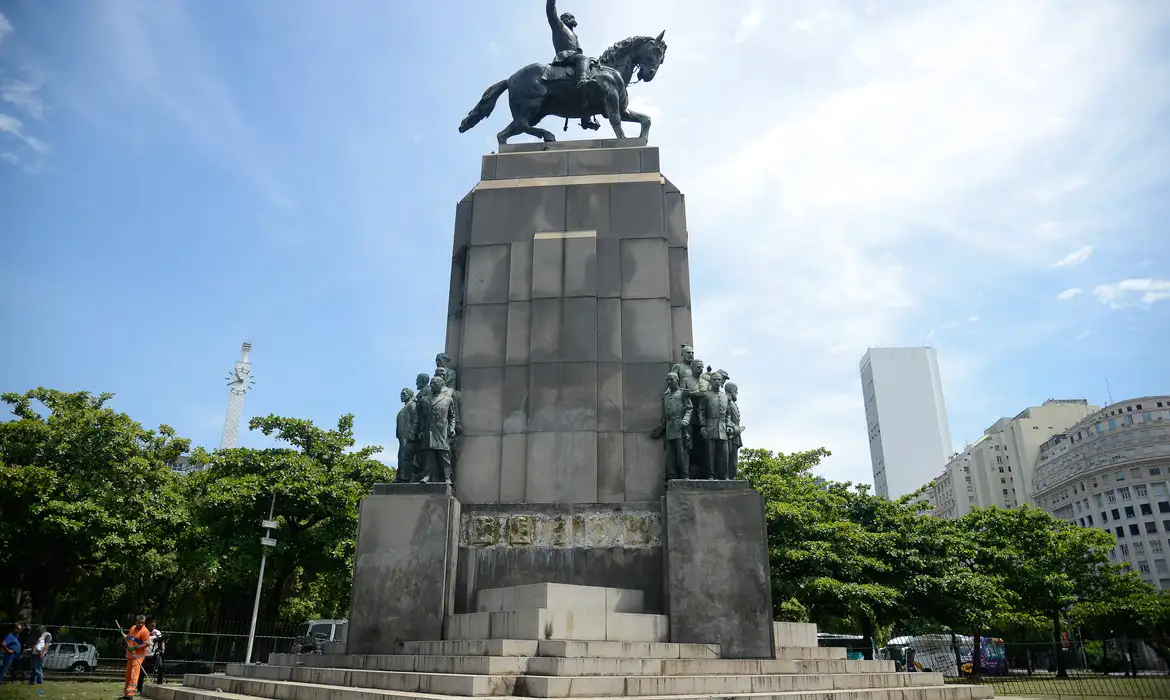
(997, 469)
(1111, 470)
(239, 381)
(906, 416)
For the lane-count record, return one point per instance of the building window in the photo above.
(1113, 554)
(1160, 565)
(1082, 522)
(1112, 496)
(1164, 506)
(1002, 480)
(1166, 525)
(1119, 531)
(1124, 492)
(1005, 492)
(1100, 501)
(1139, 548)
(1159, 489)
(1116, 514)
(1129, 511)
(1144, 567)
(1125, 550)
(1155, 545)
(1104, 518)
(1134, 529)
(1147, 509)
(1121, 476)
(1140, 489)
(1151, 528)
(1113, 424)
(1155, 471)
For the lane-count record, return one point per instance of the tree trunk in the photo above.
(1031, 663)
(977, 655)
(958, 656)
(1061, 672)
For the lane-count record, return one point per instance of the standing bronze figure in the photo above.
(568, 88)
(435, 426)
(675, 429)
(404, 431)
(714, 410)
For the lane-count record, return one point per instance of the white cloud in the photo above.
(5, 27)
(1069, 294)
(1145, 290)
(10, 158)
(14, 128)
(748, 24)
(877, 157)
(23, 95)
(1075, 258)
(1082, 335)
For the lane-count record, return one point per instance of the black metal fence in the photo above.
(199, 647)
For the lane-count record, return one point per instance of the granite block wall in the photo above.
(570, 297)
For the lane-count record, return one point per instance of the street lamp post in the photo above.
(266, 541)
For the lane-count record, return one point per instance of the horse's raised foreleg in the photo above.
(514, 128)
(631, 116)
(612, 110)
(539, 133)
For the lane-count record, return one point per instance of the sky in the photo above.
(989, 178)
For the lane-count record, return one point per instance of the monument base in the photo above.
(606, 545)
(718, 579)
(404, 566)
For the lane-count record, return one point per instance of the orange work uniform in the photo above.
(137, 640)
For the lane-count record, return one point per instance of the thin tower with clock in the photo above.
(239, 381)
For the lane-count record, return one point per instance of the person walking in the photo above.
(153, 654)
(137, 642)
(10, 648)
(36, 662)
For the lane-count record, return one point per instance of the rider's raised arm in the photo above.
(550, 9)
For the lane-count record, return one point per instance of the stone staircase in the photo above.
(561, 641)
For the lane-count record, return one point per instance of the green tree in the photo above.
(836, 551)
(91, 507)
(1047, 564)
(318, 482)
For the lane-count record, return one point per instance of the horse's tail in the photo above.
(483, 109)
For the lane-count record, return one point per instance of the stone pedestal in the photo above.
(718, 579)
(404, 566)
(569, 299)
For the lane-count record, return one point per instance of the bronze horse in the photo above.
(532, 96)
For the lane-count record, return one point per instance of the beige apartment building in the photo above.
(997, 469)
(1110, 471)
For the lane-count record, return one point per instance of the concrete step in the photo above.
(226, 688)
(262, 680)
(547, 666)
(558, 648)
(812, 653)
(637, 686)
(560, 596)
(542, 623)
(699, 667)
(417, 663)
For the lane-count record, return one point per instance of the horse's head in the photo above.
(650, 56)
(644, 53)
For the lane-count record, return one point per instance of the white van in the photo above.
(79, 657)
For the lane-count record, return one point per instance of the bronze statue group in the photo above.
(428, 426)
(700, 421)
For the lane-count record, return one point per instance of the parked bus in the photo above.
(936, 652)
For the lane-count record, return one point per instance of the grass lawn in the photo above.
(62, 690)
(1085, 687)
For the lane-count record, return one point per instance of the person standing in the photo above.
(159, 644)
(36, 672)
(153, 654)
(137, 642)
(10, 647)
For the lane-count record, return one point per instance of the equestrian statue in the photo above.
(573, 86)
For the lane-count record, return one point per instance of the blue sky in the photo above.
(987, 177)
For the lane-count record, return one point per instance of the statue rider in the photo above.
(565, 42)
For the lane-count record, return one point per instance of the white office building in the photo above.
(997, 469)
(906, 416)
(1111, 471)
